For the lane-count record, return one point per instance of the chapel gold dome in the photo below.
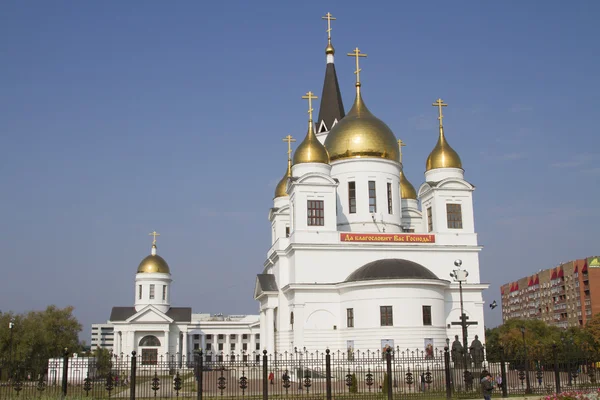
(442, 155)
(407, 190)
(360, 134)
(329, 49)
(154, 264)
(280, 189)
(311, 150)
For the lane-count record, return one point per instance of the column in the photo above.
(226, 348)
(130, 344)
(116, 342)
(263, 330)
(270, 345)
(252, 346)
(166, 345)
(184, 349)
(298, 326)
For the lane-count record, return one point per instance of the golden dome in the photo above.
(329, 49)
(154, 264)
(311, 150)
(407, 190)
(361, 134)
(442, 155)
(281, 188)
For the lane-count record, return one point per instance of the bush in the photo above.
(353, 384)
(386, 382)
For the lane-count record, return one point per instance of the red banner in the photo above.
(387, 237)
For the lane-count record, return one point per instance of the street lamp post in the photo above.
(11, 325)
(460, 276)
(528, 387)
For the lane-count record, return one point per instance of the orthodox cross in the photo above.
(154, 234)
(310, 96)
(329, 18)
(464, 325)
(356, 53)
(289, 139)
(401, 144)
(439, 103)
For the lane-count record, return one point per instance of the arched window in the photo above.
(149, 341)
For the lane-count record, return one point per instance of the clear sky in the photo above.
(122, 117)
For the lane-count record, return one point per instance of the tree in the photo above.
(353, 384)
(37, 336)
(103, 361)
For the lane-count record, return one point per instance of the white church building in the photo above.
(358, 258)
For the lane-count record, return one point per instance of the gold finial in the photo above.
(310, 96)
(154, 234)
(439, 103)
(401, 144)
(289, 139)
(356, 53)
(329, 18)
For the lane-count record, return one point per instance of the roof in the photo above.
(331, 108)
(178, 314)
(391, 268)
(267, 282)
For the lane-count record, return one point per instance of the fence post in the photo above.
(132, 374)
(556, 370)
(199, 374)
(65, 372)
(328, 373)
(265, 376)
(388, 365)
(503, 372)
(447, 372)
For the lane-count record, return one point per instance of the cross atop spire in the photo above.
(357, 54)
(289, 139)
(439, 103)
(154, 234)
(310, 96)
(329, 18)
(401, 144)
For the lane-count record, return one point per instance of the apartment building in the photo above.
(563, 296)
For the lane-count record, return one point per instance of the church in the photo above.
(358, 259)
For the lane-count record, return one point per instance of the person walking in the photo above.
(487, 386)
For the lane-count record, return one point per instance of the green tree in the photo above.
(103, 361)
(37, 336)
(353, 384)
(386, 382)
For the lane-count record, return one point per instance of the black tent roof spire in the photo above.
(331, 110)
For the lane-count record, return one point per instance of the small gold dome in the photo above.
(154, 264)
(442, 155)
(407, 190)
(361, 134)
(311, 150)
(280, 189)
(329, 49)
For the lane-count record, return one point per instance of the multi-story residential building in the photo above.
(564, 296)
(102, 336)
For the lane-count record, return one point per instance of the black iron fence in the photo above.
(391, 374)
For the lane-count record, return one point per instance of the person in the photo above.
(422, 381)
(487, 386)
(499, 381)
(285, 376)
(271, 378)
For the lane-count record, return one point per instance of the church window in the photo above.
(208, 358)
(350, 317)
(245, 336)
(151, 292)
(221, 337)
(352, 197)
(233, 337)
(454, 214)
(372, 197)
(287, 231)
(316, 215)
(429, 219)
(140, 292)
(149, 341)
(208, 346)
(389, 192)
(245, 346)
(232, 346)
(196, 346)
(387, 318)
(208, 337)
(221, 346)
(164, 292)
(257, 346)
(427, 315)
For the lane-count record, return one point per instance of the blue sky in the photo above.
(121, 117)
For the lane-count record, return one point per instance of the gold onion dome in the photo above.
(329, 49)
(311, 150)
(407, 190)
(281, 188)
(442, 155)
(154, 264)
(360, 134)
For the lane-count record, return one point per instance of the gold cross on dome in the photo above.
(401, 144)
(356, 53)
(329, 18)
(154, 234)
(439, 103)
(289, 139)
(310, 96)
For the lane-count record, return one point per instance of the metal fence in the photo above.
(310, 375)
